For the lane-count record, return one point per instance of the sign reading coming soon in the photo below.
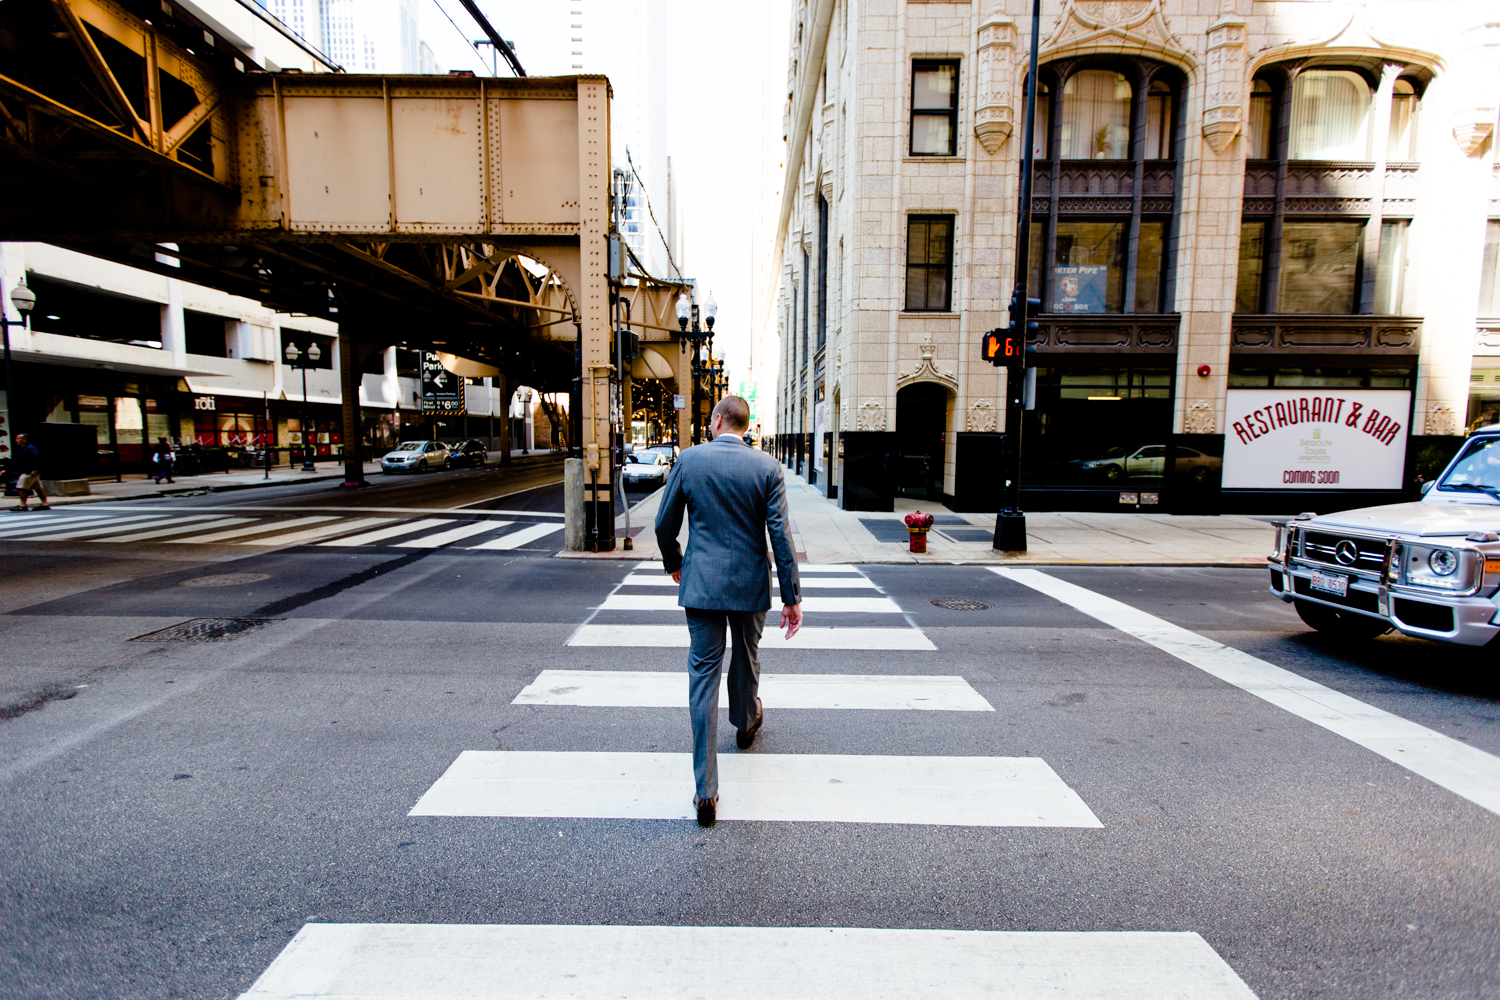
(1300, 439)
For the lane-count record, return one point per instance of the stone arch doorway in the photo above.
(921, 440)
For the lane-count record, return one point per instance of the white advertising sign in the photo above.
(1315, 439)
(818, 430)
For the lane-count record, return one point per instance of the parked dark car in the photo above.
(470, 452)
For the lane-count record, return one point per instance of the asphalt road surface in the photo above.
(422, 758)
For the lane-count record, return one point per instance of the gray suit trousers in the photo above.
(705, 662)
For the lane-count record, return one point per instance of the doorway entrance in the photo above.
(921, 433)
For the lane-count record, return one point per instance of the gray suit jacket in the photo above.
(733, 495)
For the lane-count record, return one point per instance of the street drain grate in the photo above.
(959, 604)
(206, 630)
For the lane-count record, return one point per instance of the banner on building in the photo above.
(1316, 439)
(679, 402)
(818, 430)
(1079, 288)
(442, 391)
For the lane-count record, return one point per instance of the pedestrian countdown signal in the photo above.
(1005, 349)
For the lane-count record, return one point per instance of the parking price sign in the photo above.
(442, 391)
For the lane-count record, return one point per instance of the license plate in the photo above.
(1329, 583)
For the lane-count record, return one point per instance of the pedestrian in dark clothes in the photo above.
(163, 457)
(28, 462)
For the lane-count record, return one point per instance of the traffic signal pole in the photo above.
(1010, 522)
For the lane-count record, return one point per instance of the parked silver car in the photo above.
(416, 456)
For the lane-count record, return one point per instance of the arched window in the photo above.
(1402, 147)
(1096, 116)
(1043, 120)
(1330, 116)
(1261, 103)
(1158, 122)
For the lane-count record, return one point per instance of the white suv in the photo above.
(1429, 569)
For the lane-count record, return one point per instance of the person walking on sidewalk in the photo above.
(163, 457)
(28, 462)
(733, 495)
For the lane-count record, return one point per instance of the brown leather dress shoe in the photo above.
(744, 737)
(707, 810)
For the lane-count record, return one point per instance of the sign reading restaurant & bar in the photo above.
(1301, 439)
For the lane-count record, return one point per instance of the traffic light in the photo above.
(1033, 308)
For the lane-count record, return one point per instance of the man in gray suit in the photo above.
(733, 495)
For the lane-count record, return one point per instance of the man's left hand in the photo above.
(677, 576)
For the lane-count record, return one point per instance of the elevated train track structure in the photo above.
(469, 216)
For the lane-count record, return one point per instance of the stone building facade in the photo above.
(1229, 195)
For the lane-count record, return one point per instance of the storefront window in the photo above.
(1089, 273)
(1484, 397)
(1330, 116)
(130, 428)
(1321, 378)
(1320, 267)
(1098, 427)
(94, 411)
(1096, 116)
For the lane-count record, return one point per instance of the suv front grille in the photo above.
(1323, 547)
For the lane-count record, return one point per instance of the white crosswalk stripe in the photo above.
(658, 689)
(788, 788)
(254, 529)
(59, 532)
(181, 526)
(809, 637)
(567, 962)
(44, 519)
(313, 534)
(516, 539)
(394, 531)
(817, 582)
(464, 530)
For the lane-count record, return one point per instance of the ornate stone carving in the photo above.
(982, 416)
(872, 415)
(926, 370)
(995, 114)
(1471, 136)
(1201, 418)
(1440, 419)
(1224, 79)
(1137, 27)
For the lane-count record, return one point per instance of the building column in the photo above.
(349, 380)
(174, 325)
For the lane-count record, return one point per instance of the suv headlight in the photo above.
(1439, 567)
(1279, 551)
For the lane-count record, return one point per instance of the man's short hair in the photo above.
(735, 411)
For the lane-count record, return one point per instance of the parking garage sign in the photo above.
(442, 391)
(1315, 439)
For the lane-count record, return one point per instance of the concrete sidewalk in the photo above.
(822, 533)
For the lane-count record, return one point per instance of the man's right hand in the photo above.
(791, 618)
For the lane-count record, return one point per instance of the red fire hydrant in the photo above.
(917, 527)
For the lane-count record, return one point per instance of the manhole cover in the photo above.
(958, 604)
(225, 580)
(206, 630)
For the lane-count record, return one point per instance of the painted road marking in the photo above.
(463, 530)
(49, 520)
(1461, 769)
(214, 521)
(516, 539)
(395, 530)
(59, 532)
(676, 636)
(643, 689)
(801, 567)
(786, 788)
(812, 605)
(536, 961)
(312, 534)
(820, 582)
(254, 529)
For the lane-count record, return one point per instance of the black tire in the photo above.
(422, 465)
(1344, 624)
(1112, 472)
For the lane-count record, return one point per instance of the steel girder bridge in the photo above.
(469, 216)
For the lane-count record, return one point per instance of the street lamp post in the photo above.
(24, 299)
(687, 311)
(305, 360)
